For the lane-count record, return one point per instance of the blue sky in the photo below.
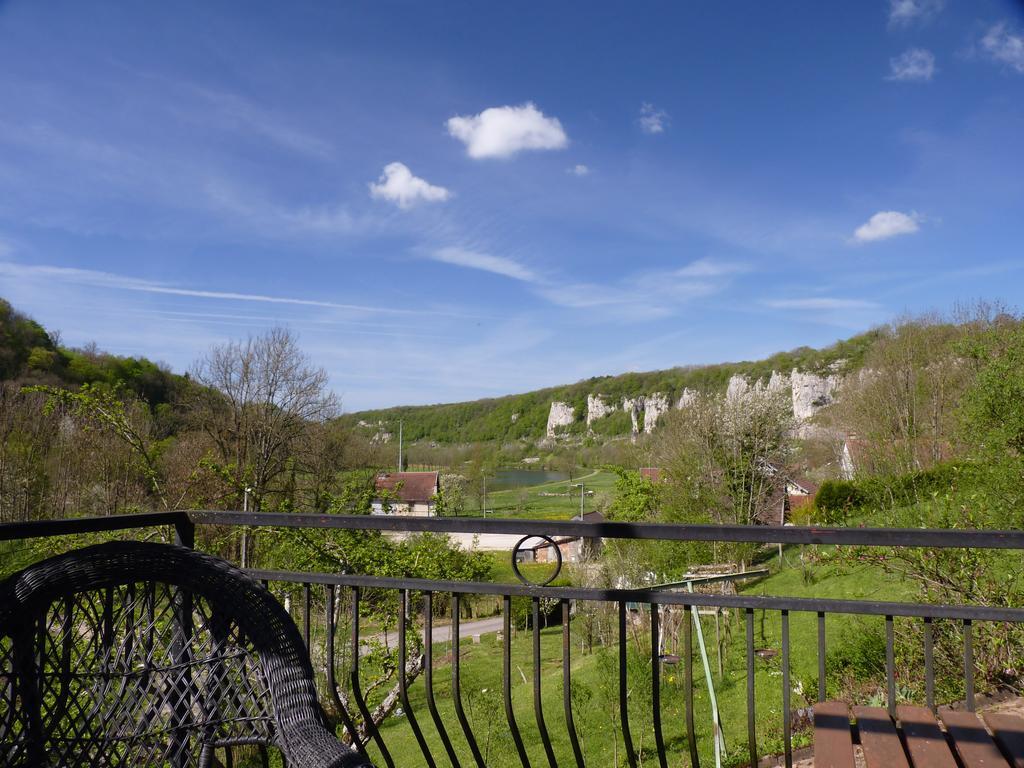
(458, 200)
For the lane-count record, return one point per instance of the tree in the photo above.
(721, 458)
(255, 400)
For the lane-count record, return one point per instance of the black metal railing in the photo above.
(355, 713)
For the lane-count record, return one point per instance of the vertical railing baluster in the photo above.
(371, 728)
(821, 656)
(403, 686)
(332, 685)
(751, 725)
(307, 606)
(659, 739)
(890, 667)
(787, 725)
(623, 690)
(567, 686)
(538, 709)
(457, 678)
(506, 679)
(968, 665)
(428, 623)
(929, 668)
(691, 730)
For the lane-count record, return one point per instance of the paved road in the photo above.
(443, 631)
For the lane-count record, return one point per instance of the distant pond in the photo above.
(505, 479)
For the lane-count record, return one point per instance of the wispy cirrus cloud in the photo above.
(646, 295)
(712, 268)
(820, 303)
(913, 65)
(398, 185)
(504, 131)
(498, 265)
(886, 224)
(100, 279)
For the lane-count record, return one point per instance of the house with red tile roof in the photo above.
(406, 493)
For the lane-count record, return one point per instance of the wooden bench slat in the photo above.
(879, 739)
(1009, 732)
(972, 742)
(925, 741)
(833, 737)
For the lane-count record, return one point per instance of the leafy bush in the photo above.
(837, 498)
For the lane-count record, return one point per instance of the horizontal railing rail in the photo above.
(458, 741)
(959, 538)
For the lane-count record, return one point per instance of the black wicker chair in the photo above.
(135, 654)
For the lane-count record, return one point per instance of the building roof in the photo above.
(651, 473)
(411, 486)
(805, 486)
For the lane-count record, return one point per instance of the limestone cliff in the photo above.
(655, 406)
(808, 392)
(597, 408)
(560, 415)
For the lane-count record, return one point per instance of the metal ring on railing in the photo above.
(515, 561)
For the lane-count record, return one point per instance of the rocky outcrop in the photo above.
(597, 408)
(560, 415)
(686, 397)
(808, 392)
(634, 406)
(655, 406)
(811, 393)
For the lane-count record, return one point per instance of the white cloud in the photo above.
(1004, 46)
(913, 64)
(886, 224)
(499, 265)
(711, 268)
(905, 12)
(652, 119)
(579, 170)
(820, 303)
(399, 186)
(503, 131)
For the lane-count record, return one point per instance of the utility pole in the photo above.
(399, 445)
(245, 532)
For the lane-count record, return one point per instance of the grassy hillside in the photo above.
(492, 418)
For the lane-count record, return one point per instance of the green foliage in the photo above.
(617, 423)
(108, 409)
(993, 408)
(836, 499)
(20, 336)
(637, 499)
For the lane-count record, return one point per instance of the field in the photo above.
(552, 501)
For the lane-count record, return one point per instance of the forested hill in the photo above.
(30, 355)
(525, 415)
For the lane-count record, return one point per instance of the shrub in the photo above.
(836, 498)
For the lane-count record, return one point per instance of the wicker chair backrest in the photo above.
(135, 654)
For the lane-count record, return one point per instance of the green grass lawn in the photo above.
(595, 681)
(530, 501)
